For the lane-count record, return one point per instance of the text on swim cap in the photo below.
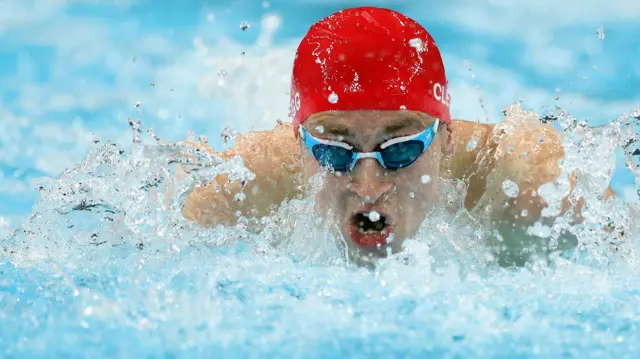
(441, 94)
(294, 105)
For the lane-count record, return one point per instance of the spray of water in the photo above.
(107, 263)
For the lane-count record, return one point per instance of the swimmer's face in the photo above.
(402, 198)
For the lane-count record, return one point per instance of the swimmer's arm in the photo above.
(528, 157)
(272, 157)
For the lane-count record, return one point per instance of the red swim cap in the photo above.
(368, 58)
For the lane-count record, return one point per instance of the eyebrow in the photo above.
(405, 122)
(344, 133)
(338, 130)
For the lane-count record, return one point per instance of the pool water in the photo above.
(107, 267)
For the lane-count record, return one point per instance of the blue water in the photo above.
(229, 302)
(96, 268)
(99, 270)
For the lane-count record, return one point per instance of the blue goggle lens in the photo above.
(401, 155)
(333, 157)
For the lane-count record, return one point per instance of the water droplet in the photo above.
(510, 188)
(403, 107)
(223, 73)
(244, 25)
(600, 33)
(374, 216)
(472, 144)
(510, 149)
(540, 140)
(524, 155)
(390, 238)
(333, 98)
(136, 127)
(524, 213)
(227, 134)
(416, 43)
(412, 194)
(425, 179)
(320, 129)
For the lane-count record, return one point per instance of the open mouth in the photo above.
(370, 229)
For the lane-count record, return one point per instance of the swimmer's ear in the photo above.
(447, 140)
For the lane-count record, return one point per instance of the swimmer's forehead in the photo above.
(354, 123)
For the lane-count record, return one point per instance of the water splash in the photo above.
(107, 263)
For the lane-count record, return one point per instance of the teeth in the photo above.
(372, 231)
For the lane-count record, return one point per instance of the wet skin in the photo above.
(283, 166)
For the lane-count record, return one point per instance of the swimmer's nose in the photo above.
(368, 180)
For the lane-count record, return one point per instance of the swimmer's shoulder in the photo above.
(273, 156)
(521, 149)
(469, 139)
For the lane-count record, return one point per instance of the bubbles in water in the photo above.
(524, 213)
(374, 216)
(333, 98)
(425, 179)
(472, 144)
(539, 230)
(510, 188)
(244, 25)
(600, 32)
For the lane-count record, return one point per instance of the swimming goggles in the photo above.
(394, 154)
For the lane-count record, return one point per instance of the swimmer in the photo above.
(370, 107)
